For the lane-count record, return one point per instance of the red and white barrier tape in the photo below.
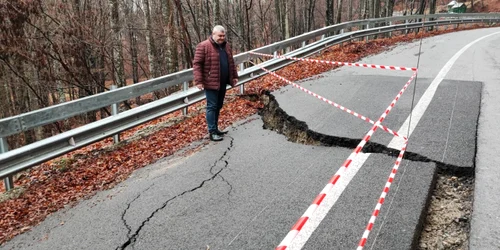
(381, 200)
(362, 117)
(317, 201)
(374, 66)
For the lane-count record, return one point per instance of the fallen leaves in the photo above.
(63, 181)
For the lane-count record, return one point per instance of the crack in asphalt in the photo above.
(125, 212)
(128, 207)
(133, 238)
(226, 164)
(229, 184)
(297, 131)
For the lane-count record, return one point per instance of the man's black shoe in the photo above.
(215, 137)
(218, 132)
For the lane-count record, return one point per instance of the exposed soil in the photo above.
(448, 217)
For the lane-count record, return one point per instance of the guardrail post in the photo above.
(303, 44)
(390, 33)
(367, 27)
(4, 147)
(242, 86)
(406, 30)
(8, 181)
(185, 87)
(114, 111)
(275, 54)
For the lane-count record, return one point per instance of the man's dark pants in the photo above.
(215, 99)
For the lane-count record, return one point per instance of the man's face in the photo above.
(219, 37)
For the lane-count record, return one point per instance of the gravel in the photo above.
(448, 217)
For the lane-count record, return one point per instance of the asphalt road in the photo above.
(247, 191)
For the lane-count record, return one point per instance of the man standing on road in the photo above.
(214, 69)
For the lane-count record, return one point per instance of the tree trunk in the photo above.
(390, 8)
(248, 7)
(421, 7)
(277, 8)
(174, 51)
(265, 29)
(295, 25)
(310, 15)
(240, 24)
(117, 56)
(100, 63)
(166, 7)
(150, 42)
(207, 17)
(329, 13)
(432, 7)
(133, 54)
(349, 17)
(285, 18)
(22, 98)
(5, 95)
(371, 9)
(61, 94)
(217, 17)
(34, 103)
(339, 11)
(178, 5)
(376, 13)
(134, 58)
(188, 50)
(412, 6)
(362, 9)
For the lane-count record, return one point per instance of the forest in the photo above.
(54, 51)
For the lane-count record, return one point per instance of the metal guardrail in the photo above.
(30, 155)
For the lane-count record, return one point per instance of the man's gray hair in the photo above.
(218, 28)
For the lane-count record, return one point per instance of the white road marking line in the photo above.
(419, 110)
(426, 98)
(328, 202)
